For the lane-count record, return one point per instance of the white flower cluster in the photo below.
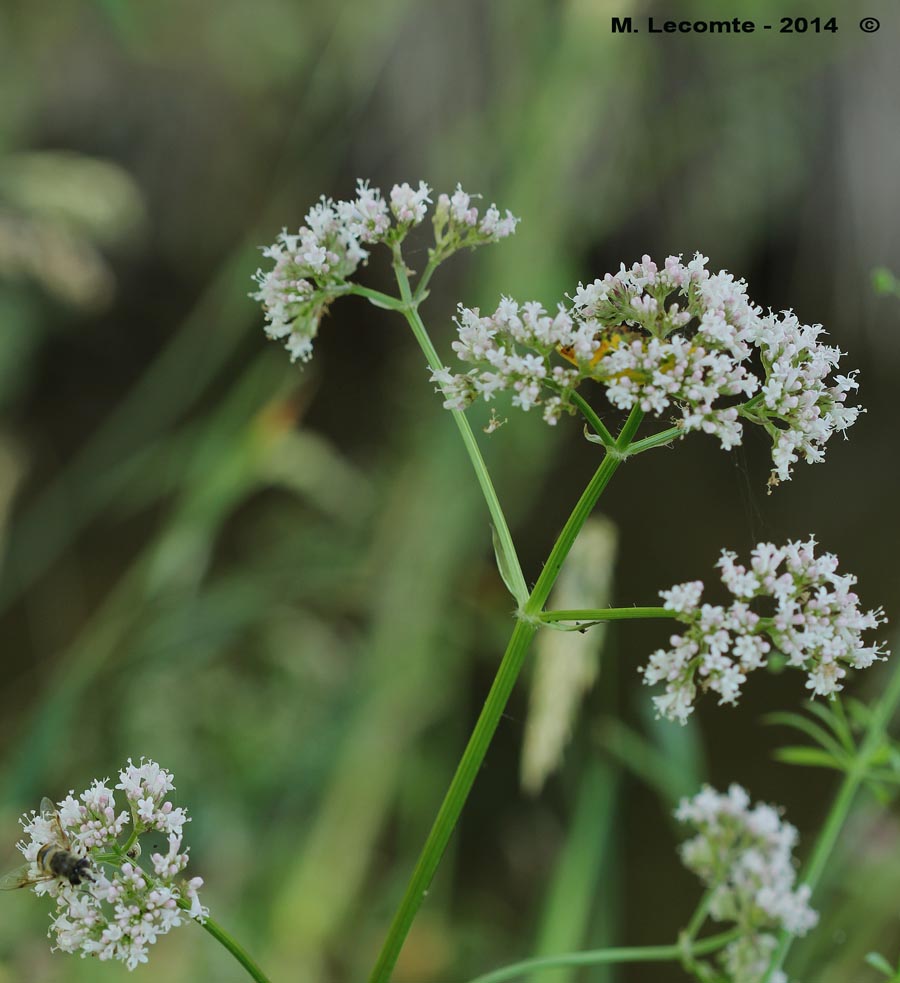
(745, 857)
(458, 223)
(123, 909)
(816, 623)
(673, 339)
(493, 341)
(312, 266)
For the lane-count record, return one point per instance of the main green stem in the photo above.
(493, 708)
(598, 957)
(451, 807)
(843, 803)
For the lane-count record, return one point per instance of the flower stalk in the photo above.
(492, 711)
(233, 946)
(586, 617)
(410, 309)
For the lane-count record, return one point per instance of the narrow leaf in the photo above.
(877, 961)
(506, 569)
(810, 729)
(859, 713)
(836, 721)
(810, 756)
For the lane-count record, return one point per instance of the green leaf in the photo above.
(877, 961)
(835, 719)
(810, 756)
(859, 713)
(506, 570)
(882, 756)
(810, 729)
(669, 769)
(581, 626)
(883, 777)
(842, 726)
(594, 438)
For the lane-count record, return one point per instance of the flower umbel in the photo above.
(744, 856)
(817, 624)
(313, 266)
(677, 339)
(125, 907)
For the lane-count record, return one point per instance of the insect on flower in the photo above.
(607, 342)
(54, 859)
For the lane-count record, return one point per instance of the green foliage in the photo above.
(835, 745)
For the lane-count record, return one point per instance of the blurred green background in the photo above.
(279, 583)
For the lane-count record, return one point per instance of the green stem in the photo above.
(697, 919)
(588, 412)
(490, 715)
(688, 938)
(455, 798)
(596, 615)
(842, 804)
(751, 403)
(375, 296)
(583, 508)
(133, 836)
(231, 944)
(424, 279)
(655, 440)
(598, 957)
(624, 442)
(504, 537)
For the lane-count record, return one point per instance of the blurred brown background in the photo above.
(279, 583)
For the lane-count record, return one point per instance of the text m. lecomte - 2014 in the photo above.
(625, 25)
(786, 25)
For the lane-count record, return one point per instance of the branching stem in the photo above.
(493, 708)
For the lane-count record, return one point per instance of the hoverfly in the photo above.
(54, 859)
(611, 339)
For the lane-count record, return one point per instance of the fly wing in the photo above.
(19, 878)
(48, 811)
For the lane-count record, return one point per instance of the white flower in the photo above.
(122, 909)
(313, 266)
(744, 856)
(457, 223)
(816, 623)
(683, 597)
(366, 217)
(408, 206)
(494, 227)
(678, 340)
